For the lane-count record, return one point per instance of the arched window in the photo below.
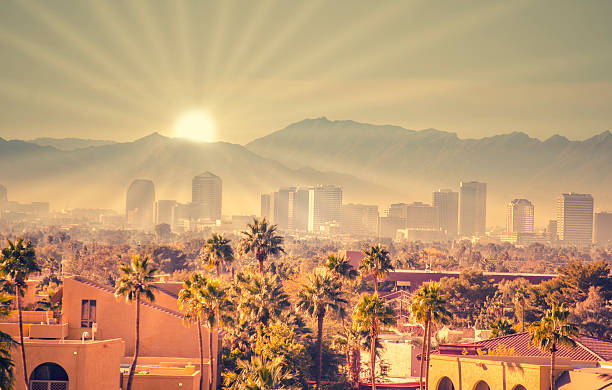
(445, 384)
(482, 385)
(49, 376)
(519, 387)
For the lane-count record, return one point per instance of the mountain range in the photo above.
(375, 164)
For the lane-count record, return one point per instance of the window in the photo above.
(88, 313)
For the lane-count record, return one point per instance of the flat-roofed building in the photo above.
(519, 216)
(575, 218)
(603, 228)
(360, 219)
(165, 212)
(324, 206)
(266, 206)
(206, 196)
(3, 194)
(447, 204)
(472, 208)
(140, 204)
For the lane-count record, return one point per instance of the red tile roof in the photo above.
(587, 348)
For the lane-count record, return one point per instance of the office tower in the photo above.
(575, 218)
(447, 204)
(140, 203)
(3, 194)
(360, 219)
(266, 207)
(324, 206)
(165, 212)
(421, 216)
(519, 216)
(206, 196)
(472, 208)
(551, 230)
(299, 217)
(603, 228)
(283, 206)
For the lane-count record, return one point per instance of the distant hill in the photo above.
(70, 143)
(99, 176)
(417, 162)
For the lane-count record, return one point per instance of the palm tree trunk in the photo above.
(210, 352)
(201, 354)
(552, 369)
(375, 284)
(428, 355)
(423, 350)
(20, 320)
(373, 359)
(137, 346)
(320, 318)
(356, 367)
(522, 316)
(218, 272)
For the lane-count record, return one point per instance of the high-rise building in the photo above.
(519, 216)
(603, 228)
(206, 196)
(421, 216)
(447, 204)
(3, 194)
(140, 203)
(551, 230)
(575, 218)
(298, 219)
(266, 206)
(283, 207)
(165, 212)
(324, 206)
(472, 208)
(360, 219)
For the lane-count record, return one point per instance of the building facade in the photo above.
(360, 219)
(603, 228)
(519, 216)
(206, 193)
(472, 209)
(324, 206)
(140, 204)
(165, 212)
(266, 206)
(575, 218)
(447, 204)
(3, 194)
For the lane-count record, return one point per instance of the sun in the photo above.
(197, 125)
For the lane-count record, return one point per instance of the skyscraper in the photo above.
(3, 193)
(519, 216)
(324, 206)
(447, 203)
(140, 203)
(283, 206)
(266, 207)
(360, 219)
(298, 220)
(603, 228)
(472, 208)
(206, 196)
(575, 218)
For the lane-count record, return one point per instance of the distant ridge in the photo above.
(67, 144)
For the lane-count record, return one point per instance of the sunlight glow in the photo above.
(195, 125)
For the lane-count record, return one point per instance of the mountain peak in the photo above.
(153, 137)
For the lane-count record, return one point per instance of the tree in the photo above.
(340, 266)
(520, 297)
(6, 343)
(594, 314)
(428, 307)
(551, 331)
(216, 251)
(321, 295)
(214, 304)
(190, 302)
(258, 373)
(261, 239)
(372, 314)
(17, 263)
(501, 327)
(376, 262)
(135, 283)
(350, 342)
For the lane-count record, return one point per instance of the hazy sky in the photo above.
(123, 69)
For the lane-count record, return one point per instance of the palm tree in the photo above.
(376, 262)
(520, 297)
(217, 250)
(341, 267)
(135, 282)
(214, 303)
(553, 330)
(261, 239)
(428, 307)
(189, 301)
(322, 295)
(6, 343)
(17, 263)
(350, 342)
(261, 298)
(372, 314)
(258, 373)
(501, 327)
